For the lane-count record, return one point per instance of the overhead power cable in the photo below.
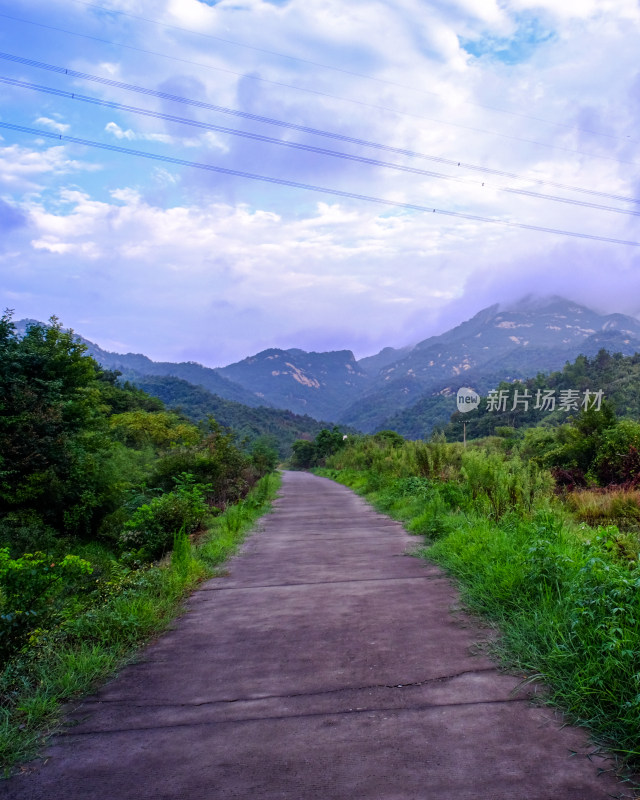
(385, 81)
(313, 188)
(306, 129)
(302, 146)
(318, 93)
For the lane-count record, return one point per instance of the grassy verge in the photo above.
(84, 651)
(565, 597)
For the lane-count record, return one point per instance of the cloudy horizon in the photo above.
(528, 114)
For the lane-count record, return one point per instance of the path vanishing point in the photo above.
(325, 663)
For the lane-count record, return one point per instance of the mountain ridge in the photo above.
(500, 342)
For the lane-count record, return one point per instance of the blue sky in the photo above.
(185, 263)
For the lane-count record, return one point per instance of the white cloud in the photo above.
(22, 168)
(256, 263)
(119, 133)
(58, 127)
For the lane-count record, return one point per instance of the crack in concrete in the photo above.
(320, 693)
(307, 715)
(440, 576)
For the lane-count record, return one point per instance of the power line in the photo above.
(311, 187)
(235, 43)
(301, 146)
(319, 93)
(306, 129)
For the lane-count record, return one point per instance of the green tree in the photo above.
(304, 454)
(53, 440)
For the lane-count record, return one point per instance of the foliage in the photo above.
(264, 454)
(308, 454)
(83, 457)
(51, 439)
(214, 460)
(61, 471)
(152, 527)
(498, 485)
(617, 459)
(160, 429)
(304, 454)
(618, 375)
(32, 593)
(251, 424)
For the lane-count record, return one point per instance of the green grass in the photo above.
(564, 597)
(73, 659)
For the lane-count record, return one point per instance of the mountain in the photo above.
(373, 364)
(535, 335)
(249, 421)
(133, 365)
(407, 389)
(318, 384)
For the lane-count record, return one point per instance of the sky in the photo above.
(203, 180)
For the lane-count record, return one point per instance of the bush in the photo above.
(32, 593)
(150, 531)
(25, 532)
(214, 461)
(264, 456)
(617, 460)
(304, 454)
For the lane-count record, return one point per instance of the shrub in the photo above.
(304, 454)
(617, 459)
(32, 592)
(150, 531)
(264, 456)
(25, 532)
(214, 461)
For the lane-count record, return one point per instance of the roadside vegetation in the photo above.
(542, 531)
(112, 509)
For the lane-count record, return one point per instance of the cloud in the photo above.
(23, 168)
(11, 217)
(539, 90)
(119, 133)
(293, 276)
(58, 127)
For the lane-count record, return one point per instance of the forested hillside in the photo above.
(276, 427)
(495, 345)
(616, 375)
(403, 389)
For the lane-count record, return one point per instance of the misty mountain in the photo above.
(318, 384)
(496, 344)
(407, 389)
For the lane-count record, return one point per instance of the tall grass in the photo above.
(70, 660)
(603, 506)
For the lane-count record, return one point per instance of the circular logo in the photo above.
(467, 399)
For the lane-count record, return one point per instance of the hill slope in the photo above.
(494, 345)
(319, 384)
(280, 426)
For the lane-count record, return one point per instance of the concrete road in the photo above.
(327, 663)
